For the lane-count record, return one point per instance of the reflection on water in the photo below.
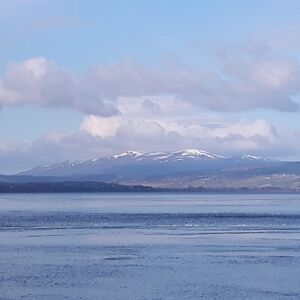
(149, 246)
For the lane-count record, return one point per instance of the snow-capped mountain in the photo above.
(181, 155)
(177, 169)
(144, 164)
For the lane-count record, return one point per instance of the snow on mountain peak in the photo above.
(197, 153)
(188, 153)
(253, 157)
(126, 154)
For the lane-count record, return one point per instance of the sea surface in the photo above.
(149, 246)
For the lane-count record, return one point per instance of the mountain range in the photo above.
(189, 168)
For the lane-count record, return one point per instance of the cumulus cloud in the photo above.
(97, 139)
(129, 106)
(160, 133)
(242, 84)
(40, 82)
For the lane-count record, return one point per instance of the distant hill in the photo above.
(68, 187)
(183, 169)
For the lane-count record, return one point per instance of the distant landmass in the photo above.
(68, 187)
(186, 170)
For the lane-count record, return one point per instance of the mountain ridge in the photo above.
(98, 165)
(181, 169)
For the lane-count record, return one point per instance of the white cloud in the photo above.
(243, 84)
(40, 82)
(155, 133)
(99, 126)
(103, 127)
(96, 139)
(128, 106)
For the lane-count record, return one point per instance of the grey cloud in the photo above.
(241, 85)
(40, 82)
(151, 107)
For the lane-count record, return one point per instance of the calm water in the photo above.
(142, 246)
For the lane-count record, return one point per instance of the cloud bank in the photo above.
(99, 136)
(130, 106)
(240, 84)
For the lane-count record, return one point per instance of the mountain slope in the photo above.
(147, 164)
(178, 169)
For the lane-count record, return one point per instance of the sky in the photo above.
(84, 79)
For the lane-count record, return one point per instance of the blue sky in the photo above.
(81, 79)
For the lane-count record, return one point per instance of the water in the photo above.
(149, 246)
